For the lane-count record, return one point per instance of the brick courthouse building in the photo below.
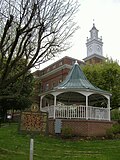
(74, 106)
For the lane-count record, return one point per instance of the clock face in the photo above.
(98, 48)
(90, 49)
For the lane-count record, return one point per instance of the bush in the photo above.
(114, 132)
(110, 134)
(67, 132)
(115, 114)
(116, 128)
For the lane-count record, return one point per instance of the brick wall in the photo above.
(54, 79)
(94, 60)
(83, 127)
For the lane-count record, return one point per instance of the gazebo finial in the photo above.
(76, 62)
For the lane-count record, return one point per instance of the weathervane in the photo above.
(93, 22)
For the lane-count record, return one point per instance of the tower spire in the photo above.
(94, 43)
(93, 22)
(94, 46)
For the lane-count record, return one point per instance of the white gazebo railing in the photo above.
(70, 111)
(98, 113)
(77, 111)
(50, 110)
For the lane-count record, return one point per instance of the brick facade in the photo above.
(84, 128)
(94, 60)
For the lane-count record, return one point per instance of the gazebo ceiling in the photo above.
(74, 97)
(71, 96)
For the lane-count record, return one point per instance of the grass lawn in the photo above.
(14, 146)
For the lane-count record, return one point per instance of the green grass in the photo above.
(14, 146)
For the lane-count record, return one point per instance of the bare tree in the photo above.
(33, 30)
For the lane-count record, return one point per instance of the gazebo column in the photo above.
(41, 102)
(54, 104)
(108, 106)
(87, 107)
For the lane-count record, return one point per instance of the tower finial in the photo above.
(93, 22)
(76, 62)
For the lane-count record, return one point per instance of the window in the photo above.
(54, 84)
(48, 69)
(60, 64)
(47, 87)
(60, 80)
(41, 88)
(54, 66)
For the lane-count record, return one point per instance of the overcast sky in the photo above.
(106, 15)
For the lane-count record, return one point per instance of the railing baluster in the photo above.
(77, 112)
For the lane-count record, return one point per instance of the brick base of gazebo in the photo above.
(83, 128)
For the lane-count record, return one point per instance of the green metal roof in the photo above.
(77, 80)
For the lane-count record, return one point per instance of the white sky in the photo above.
(106, 15)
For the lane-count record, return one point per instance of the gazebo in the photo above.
(76, 98)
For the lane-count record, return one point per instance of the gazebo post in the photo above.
(41, 102)
(87, 107)
(54, 104)
(108, 108)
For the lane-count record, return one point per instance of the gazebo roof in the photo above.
(77, 80)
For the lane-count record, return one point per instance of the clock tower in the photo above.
(94, 47)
